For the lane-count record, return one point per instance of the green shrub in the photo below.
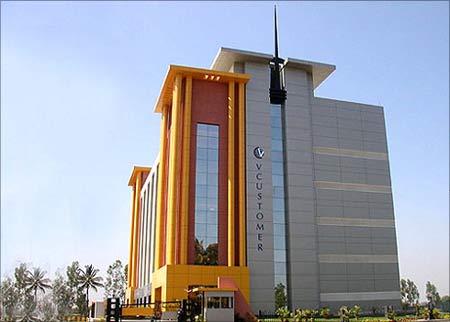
(436, 313)
(425, 313)
(283, 313)
(344, 313)
(325, 312)
(298, 315)
(391, 315)
(199, 318)
(355, 311)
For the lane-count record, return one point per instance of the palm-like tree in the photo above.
(36, 280)
(88, 279)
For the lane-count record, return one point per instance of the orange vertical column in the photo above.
(137, 189)
(174, 156)
(241, 149)
(130, 257)
(231, 175)
(185, 171)
(161, 188)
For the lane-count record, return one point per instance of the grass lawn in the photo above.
(338, 319)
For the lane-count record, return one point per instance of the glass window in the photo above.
(279, 229)
(278, 205)
(200, 217)
(213, 302)
(226, 302)
(280, 256)
(202, 154)
(274, 123)
(213, 141)
(279, 211)
(280, 279)
(206, 195)
(278, 217)
(277, 145)
(201, 190)
(277, 156)
(202, 140)
(277, 169)
(278, 192)
(280, 269)
(201, 178)
(279, 242)
(277, 181)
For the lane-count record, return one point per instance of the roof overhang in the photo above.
(226, 57)
(213, 289)
(165, 95)
(137, 170)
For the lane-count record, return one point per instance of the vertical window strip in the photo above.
(206, 195)
(278, 195)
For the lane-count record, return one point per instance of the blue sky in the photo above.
(80, 79)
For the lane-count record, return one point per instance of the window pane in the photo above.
(200, 178)
(201, 166)
(277, 180)
(201, 190)
(202, 129)
(277, 156)
(279, 242)
(278, 217)
(278, 192)
(202, 153)
(277, 168)
(200, 217)
(278, 204)
(202, 141)
(279, 230)
(213, 142)
(277, 145)
(206, 192)
(280, 255)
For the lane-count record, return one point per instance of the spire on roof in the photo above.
(277, 93)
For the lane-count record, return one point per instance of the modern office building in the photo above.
(285, 191)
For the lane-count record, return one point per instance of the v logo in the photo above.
(258, 152)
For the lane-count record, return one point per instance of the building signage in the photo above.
(258, 152)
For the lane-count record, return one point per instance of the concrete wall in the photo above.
(260, 262)
(357, 246)
(302, 233)
(341, 238)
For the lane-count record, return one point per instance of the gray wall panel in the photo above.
(355, 131)
(260, 263)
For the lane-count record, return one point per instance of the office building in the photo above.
(285, 191)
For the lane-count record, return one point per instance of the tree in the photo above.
(116, 282)
(280, 296)
(62, 296)
(432, 293)
(36, 280)
(26, 304)
(208, 256)
(90, 280)
(445, 303)
(46, 309)
(9, 298)
(409, 292)
(73, 273)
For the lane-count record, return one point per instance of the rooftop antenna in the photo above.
(277, 93)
